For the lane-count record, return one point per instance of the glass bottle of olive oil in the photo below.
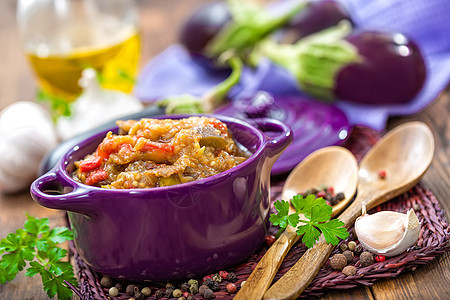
(63, 37)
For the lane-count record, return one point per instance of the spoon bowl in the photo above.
(331, 166)
(405, 153)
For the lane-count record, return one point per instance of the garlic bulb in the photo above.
(387, 233)
(95, 106)
(27, 134)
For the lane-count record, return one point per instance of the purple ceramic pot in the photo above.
(173, 232)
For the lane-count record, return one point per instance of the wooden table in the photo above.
(160, 21)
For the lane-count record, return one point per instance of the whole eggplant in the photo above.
(204, 24)
(392, 69)
(361, 66)
(317, 16)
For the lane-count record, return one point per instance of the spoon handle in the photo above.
(297, 279)
(264, 272)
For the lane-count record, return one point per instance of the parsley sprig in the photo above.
(36, 245)
(318, 215)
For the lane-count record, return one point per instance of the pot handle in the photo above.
(52, 190)
(278, 135)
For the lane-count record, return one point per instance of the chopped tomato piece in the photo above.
(96, 176)
(90, 163)
(219, 125)
(162, 147)
(105, 149)
(126, 146)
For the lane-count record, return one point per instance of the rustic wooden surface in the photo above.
(159, 22)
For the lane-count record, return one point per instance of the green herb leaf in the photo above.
(333, 230)
(317, 213)
(38, 246)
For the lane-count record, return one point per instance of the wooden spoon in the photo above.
(405, 154)
(331, 166)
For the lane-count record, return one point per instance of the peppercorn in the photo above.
(119, 286)
(343, 247)
(130, 289)
(269, 239)
(349, 270)
(223, 274)
(177, 293)
(242, 283)
(190, 297)
(217, 278)
(207, 280)
(193, 289)
(231, 288)
(231, 277)
(184, 287)
(382, 174)
(113, 291)
(349, 255)
(209, 294)
(185, 294)
(338, 261)
(340, 196)
(202, 289)
(139, 296)
(182, 298)
(106, 282)
(192, 281)
(351, 245)
(416, 207)
(146, 291)
(214, 286)
(169, 291)
(169, 285)
(366, 259)
(358, 249)
(159, 293)
(380, 258)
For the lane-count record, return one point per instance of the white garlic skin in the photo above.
(27, 134)
(387, 233)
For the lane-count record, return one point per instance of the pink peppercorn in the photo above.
(223, 274)
(231, 288)
(382, 174)
(321, 194)
(380, 258)
(270, 239)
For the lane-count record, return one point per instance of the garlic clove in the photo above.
(387, 233)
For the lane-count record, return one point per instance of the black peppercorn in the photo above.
(343, 247)
(169, 292)
(190, 297)
(231, 277)
(214, 286)
(119, 286)
(139, 296)
(130, 289)
(207, 281)
(184, 287)
(358, 249)
(209, 294)
(106, 282)
(349, 255)
(159, 293)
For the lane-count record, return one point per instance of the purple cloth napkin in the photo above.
(175, 72)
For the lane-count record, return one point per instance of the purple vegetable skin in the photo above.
(318, 16)
(203, 25)
(392, 69)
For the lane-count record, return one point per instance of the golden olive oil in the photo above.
(116, 64)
